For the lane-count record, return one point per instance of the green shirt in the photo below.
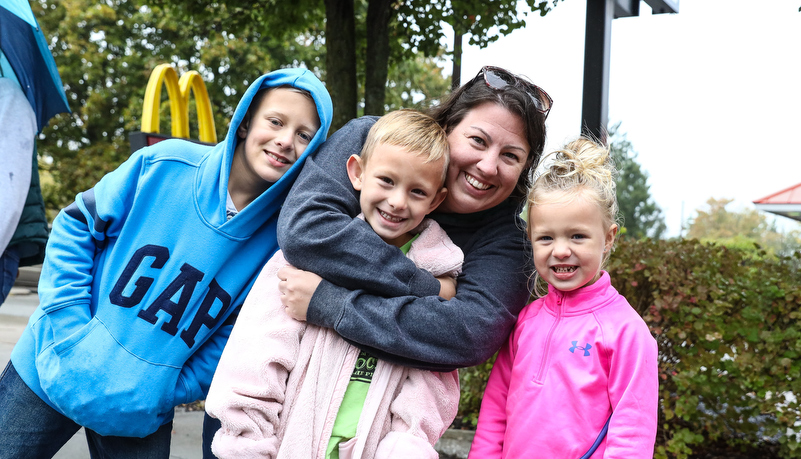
(355, 394)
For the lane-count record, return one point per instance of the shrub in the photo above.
(728, 324)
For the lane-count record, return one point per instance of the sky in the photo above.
(710, 98)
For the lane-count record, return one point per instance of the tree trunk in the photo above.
(340, 59)
(376, 65)
(456, 75)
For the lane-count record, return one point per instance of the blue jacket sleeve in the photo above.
(317, 231)
(78, 233)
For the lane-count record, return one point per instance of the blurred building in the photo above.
(786, 203)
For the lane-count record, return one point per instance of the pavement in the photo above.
(14, 314)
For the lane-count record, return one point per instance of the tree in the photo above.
(642, 217)
(371, 35)
(741, 229)
(414, 83)
(376, 64)
(340, 42)
(399, 30)
(483, 20)
(105, 53)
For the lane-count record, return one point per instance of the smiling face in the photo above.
(569, 239)
(278, 132)
(397, 190)
(488, 153)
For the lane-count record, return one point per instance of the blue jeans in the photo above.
(9, 266)
(210, 427)
(32, 429)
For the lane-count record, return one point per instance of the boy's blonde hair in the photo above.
(584, 168)
(412, 130)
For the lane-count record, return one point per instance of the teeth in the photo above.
(564, 269)
(390, 217)
(280, 160)
(476, 183)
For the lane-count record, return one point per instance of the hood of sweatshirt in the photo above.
(211, 185)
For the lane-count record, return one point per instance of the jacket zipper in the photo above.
(547, 353)
(328, 427)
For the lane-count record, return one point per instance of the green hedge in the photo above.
(728, 324)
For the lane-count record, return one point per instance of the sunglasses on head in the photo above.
(498, 79)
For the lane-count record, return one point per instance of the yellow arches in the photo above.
(178, 95)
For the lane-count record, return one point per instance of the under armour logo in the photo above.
(586, 348)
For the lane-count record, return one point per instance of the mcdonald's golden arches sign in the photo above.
(178, 91)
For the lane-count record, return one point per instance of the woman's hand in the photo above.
(297, 287)
(447, 287)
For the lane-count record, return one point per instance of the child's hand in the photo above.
(447, 287)
(297, 287)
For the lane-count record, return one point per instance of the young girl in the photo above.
(578, 375)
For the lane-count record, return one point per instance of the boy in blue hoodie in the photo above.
(143, 272)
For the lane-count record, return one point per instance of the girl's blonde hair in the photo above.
(583, 167)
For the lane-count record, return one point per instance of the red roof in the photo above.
(790, 195)
(786, 202)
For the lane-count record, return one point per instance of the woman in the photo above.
(374, 296)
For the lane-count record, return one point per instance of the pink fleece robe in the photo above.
(572, 360)
(280, 382)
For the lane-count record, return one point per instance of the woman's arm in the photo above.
(378, 299)
(431, 333)
(317, 230)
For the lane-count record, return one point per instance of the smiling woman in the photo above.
(374, 296)
(488, 155)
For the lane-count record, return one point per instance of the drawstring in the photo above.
(597, 440)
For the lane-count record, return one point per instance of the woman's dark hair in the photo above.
(460, 102)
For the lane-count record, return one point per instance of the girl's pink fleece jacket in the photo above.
(280, 382)
(572, 360)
